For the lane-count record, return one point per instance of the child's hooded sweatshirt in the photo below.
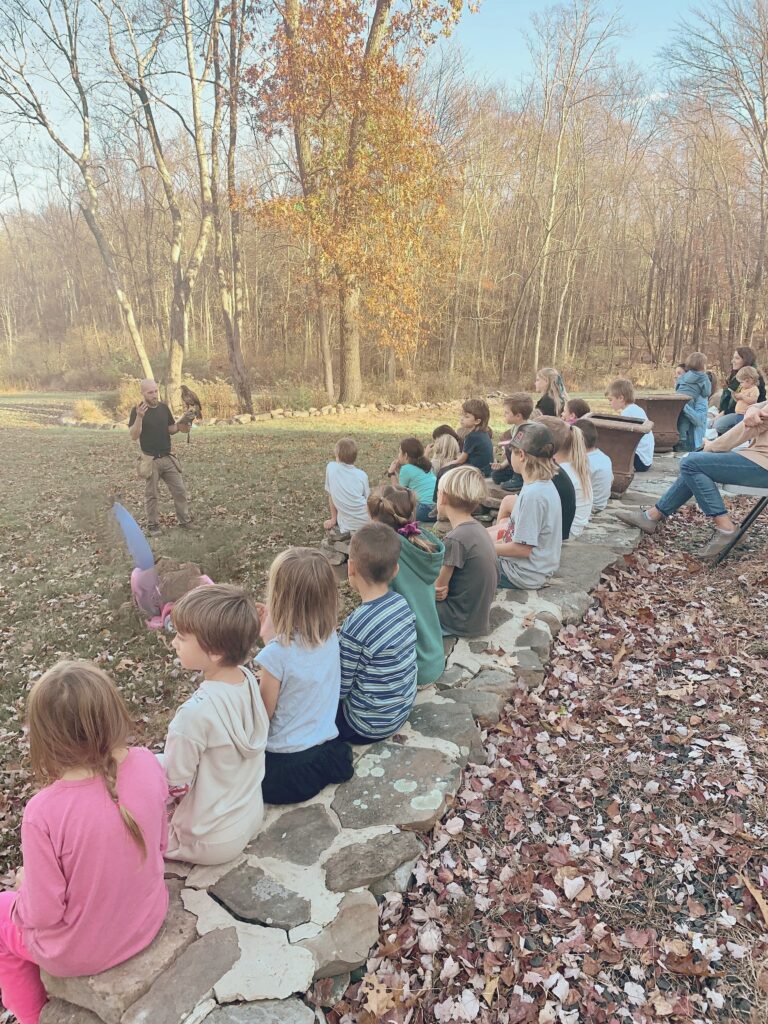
(214, 759)
(416, 582)
(697, 385)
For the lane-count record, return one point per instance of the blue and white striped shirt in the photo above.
(378, 665)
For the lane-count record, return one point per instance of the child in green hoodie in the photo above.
(421, 558)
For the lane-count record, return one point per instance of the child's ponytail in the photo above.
(396, 507)
(580, 461)
(77, 719)
(413, 450)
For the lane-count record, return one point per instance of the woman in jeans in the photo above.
(701, 472)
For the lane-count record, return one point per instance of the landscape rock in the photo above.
(110, 994)
(269, 966)
(251, 895)
(582, 565)
(538, 639)
(494, 680)
(498, 616)
(299, 835)
(267, 1011)
(190, 978)
(361, 864)
(485, 706)
(446, 721)
(397, 785)
(453, 676)
(573, 604)
(56, 1011)
(397, 880)
(344, 944)
(327, 992)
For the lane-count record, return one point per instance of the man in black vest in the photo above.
(151, 423)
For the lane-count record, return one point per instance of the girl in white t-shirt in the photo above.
(571, 456)
(301, 678)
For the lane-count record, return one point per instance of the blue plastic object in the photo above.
(138, 545)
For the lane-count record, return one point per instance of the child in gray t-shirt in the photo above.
(467, 582)
(529, 551)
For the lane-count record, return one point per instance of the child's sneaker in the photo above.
(710, 434)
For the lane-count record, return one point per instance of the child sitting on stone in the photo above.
(445, 447)
(600, 466)
(377, 643)
(529, 551)
(347, 488)
(517, 410)
(421, 558)
(621, 396)
(214, 751)
(467, 582)
(301, 678)
(91, 893)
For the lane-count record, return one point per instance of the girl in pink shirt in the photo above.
(91, 892)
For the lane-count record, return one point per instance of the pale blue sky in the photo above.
(494, 46)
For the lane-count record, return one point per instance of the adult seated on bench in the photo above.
(701, 472)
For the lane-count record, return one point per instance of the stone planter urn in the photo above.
(618, 437)
(664, 411)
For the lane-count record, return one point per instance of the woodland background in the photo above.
(314, 199)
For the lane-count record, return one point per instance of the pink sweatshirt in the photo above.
(89, 900)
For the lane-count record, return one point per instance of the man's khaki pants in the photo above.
(166, 468)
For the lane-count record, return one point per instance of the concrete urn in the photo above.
(664, 410)
(618, 437)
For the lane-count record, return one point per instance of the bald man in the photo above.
(151, 423)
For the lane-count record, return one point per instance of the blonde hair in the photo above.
(77, 719)
(302, 596)
(346, 450)
(222, 618)
(445, 449)
(536, 467)
(570, 443)
(395, 507)
(746, 373)
(463, 488)
(622, 388)
(555, 386)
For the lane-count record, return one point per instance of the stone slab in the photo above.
(446, 721)
(345, 943)
(250, 894)
(269, 966)
(361, 864)
(300, 835)
(397, 785)
(486, 707)
(453, 676)
(267, 1011)
(582, 564)
(189, 980)
(572, 602)
(538, 639)
(56, 1011)
(110, 994)
(494, 680)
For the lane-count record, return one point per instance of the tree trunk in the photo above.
(325, 342)
(351, 385)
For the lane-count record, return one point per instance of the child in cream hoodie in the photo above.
(214, 751)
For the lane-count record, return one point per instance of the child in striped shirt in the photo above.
(377, 643)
